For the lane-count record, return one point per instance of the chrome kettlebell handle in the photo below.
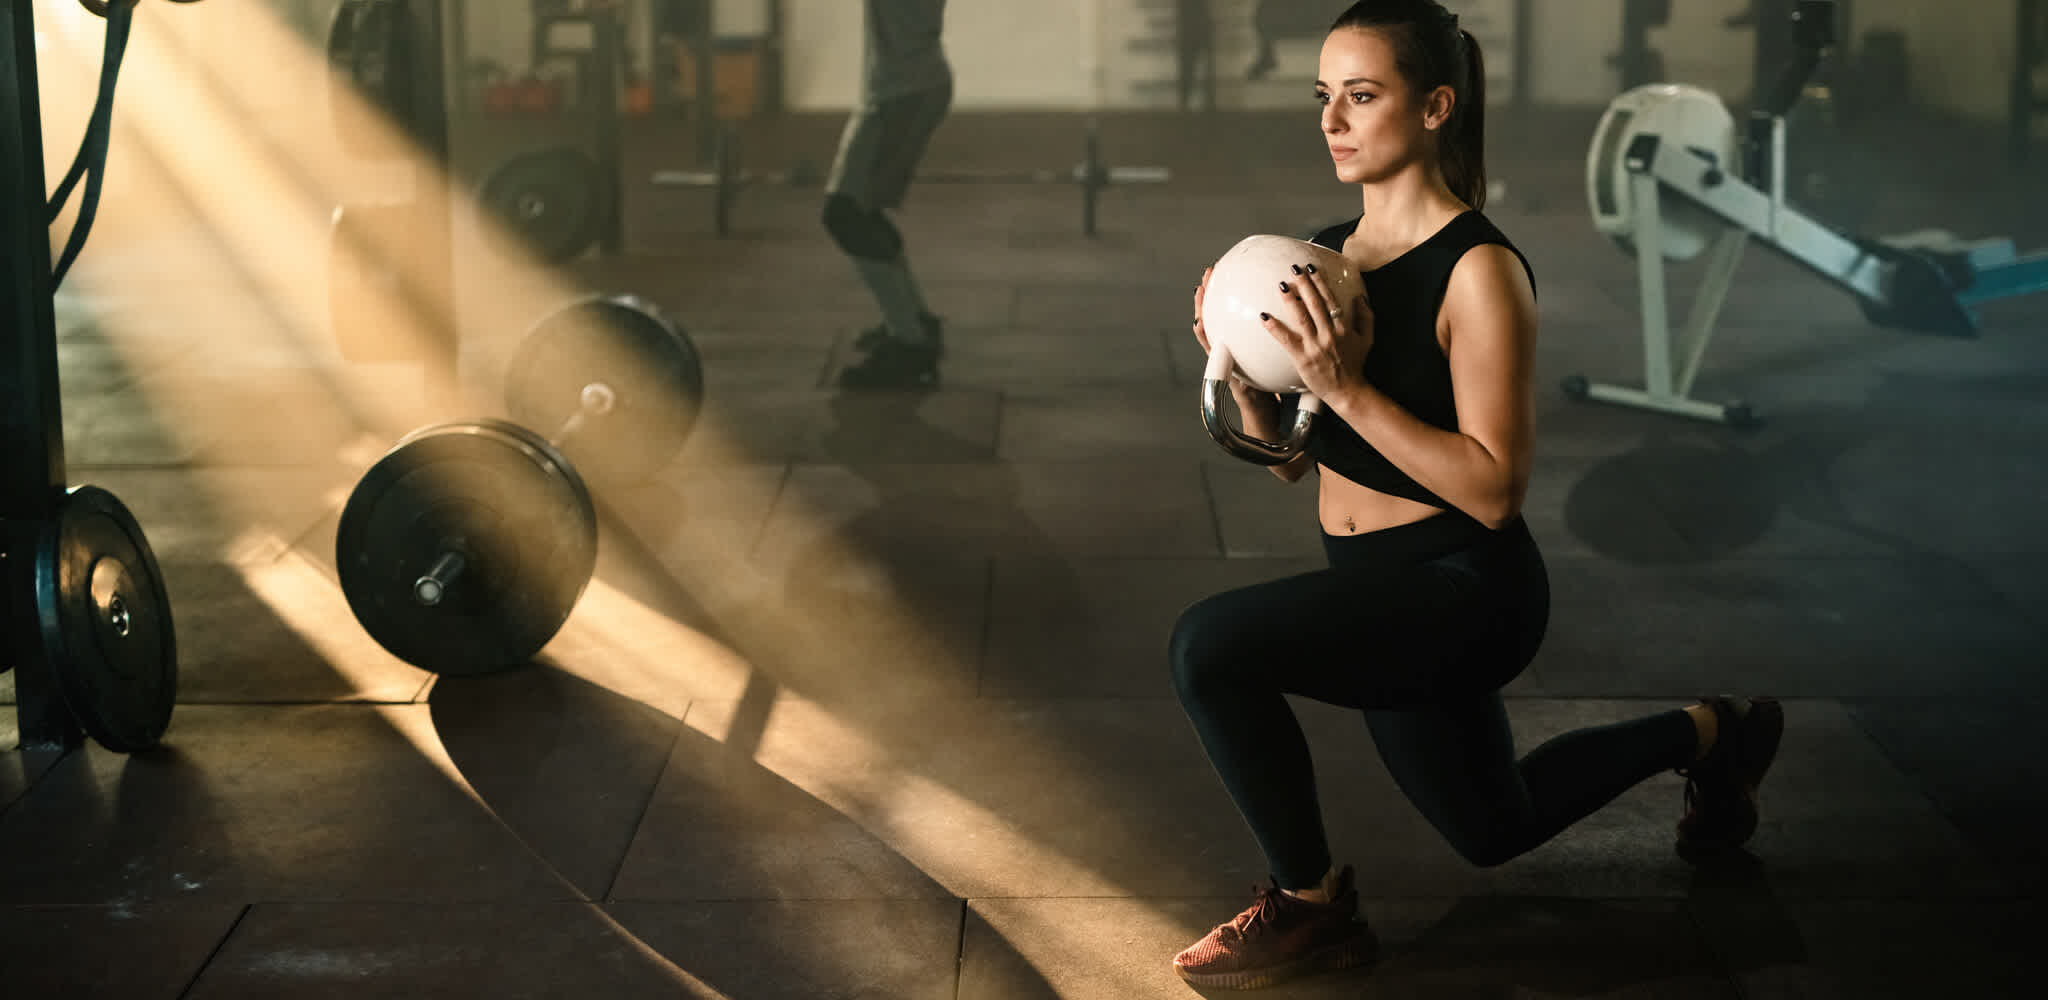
(1215, 382)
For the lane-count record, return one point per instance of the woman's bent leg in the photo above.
(1456, 761)
(1235, 657)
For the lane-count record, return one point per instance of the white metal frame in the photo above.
(1751, 214)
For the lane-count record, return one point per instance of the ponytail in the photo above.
(1464, 144)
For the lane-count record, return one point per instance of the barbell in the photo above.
(726, 178)
(463, 549)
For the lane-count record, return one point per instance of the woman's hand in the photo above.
(1327, 347)
(1201, 289)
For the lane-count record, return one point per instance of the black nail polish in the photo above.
(1283, 286)
(1296, 267)
(1265, 316)
(1311, 269)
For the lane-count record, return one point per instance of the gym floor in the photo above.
(868, 697)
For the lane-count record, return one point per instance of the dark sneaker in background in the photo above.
(894, 364)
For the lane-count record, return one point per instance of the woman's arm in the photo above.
(1483, 467)
(1489, 310)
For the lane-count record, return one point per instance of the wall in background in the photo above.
(1081, 54)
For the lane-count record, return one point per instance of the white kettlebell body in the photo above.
(1244, 283)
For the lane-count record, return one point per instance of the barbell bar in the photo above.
(1092, 175)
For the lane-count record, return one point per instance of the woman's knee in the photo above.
(1486, 844)
(1485, 831)
(1202, 652)
(1486, 850)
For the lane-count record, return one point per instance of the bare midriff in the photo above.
(1346, 508)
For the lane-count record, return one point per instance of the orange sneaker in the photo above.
(1281, 937)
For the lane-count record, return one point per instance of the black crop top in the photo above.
(1406, 362)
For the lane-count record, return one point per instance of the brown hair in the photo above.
(1431, 51)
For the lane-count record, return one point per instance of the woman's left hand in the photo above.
(1328, 348)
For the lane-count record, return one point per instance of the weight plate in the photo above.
(106, 621)
(502, 499)
(653, 373)
(551, 201)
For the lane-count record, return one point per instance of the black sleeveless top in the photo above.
(1405, 362)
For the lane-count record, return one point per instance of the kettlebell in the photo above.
(1244, 283)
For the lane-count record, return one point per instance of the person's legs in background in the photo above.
(878, 157)
(1194, 37)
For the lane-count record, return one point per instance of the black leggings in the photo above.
(1420, 626)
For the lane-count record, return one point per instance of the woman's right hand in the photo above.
(1202, 335)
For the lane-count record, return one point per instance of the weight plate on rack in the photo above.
(653, 372)
(502, 500)
(551, 201)
(106, 621)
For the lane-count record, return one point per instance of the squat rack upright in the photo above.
(85, 620)
(31, 422)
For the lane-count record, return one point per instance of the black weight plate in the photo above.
(551, 201)
(624, 343)
(106, 621)
(503, 499)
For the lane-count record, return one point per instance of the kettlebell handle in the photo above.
(1216, 381)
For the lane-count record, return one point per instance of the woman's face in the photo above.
(1373, 120)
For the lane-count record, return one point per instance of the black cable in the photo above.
(91, 162)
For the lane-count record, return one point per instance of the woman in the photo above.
(1436, 595)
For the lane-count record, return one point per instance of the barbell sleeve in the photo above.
(432, 587)
(596, 400)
